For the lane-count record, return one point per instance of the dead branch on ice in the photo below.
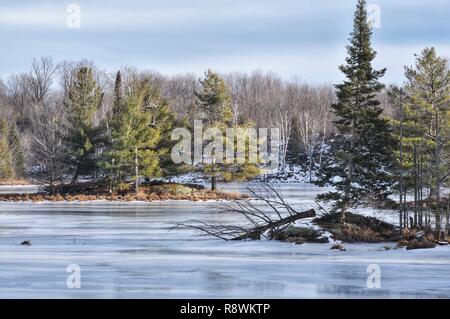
(265, 213)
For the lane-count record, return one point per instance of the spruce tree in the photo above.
(85, 98)
(117, 92)
(362, 150)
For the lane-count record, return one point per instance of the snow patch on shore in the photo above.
(283, 174)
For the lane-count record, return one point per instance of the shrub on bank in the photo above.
(358, 228)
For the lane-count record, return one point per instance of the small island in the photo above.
(148, 192)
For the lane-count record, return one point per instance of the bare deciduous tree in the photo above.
(48, 144)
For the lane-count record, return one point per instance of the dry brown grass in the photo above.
(420, 244)
(358, 228)
(141, 196)
(338, 246)
(14, 182)
(416, 239)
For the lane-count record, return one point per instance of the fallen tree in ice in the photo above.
(266, 213)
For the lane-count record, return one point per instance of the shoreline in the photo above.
(15, 183)
(141, 197)
(109, 202)
(7, 186)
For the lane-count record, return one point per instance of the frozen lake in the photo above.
(127, 250)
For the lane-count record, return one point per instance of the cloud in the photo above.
(148, 15)
(395, 57)
(291, 37)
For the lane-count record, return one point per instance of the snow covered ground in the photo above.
(128, 250)
(283, 174)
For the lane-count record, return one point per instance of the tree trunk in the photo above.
(257, 231)
(112, 178)
(321, 150)
(349, 173)
(75, 177)
(416, 186)
(213, 183)
(447, 222)
(136, 170)
(310, 165)
(420, 189)
(401, 163)
(437, 176)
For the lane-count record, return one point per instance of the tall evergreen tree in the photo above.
(164, 120)
(213, 103)
(359, 169)
(85, 98)
(113, 125)
(411, 154)
(117, 92)
(135, 135)
(428, 105)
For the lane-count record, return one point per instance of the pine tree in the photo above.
(135, 135)
(359, 168)
(428, 88)
(85, 98)
(213, 103)
(163, 118)
(113, 125)
(213, 106)
(410, 154)
(163, 121)
(117, 92)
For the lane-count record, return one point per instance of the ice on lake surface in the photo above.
(20, 189)
(128, 250)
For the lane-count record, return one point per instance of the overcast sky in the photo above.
(304, 38)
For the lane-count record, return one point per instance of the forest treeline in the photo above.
(66, 121)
